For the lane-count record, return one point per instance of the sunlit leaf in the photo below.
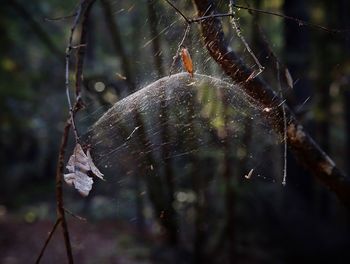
(187, 61)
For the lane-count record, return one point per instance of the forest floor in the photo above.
(92, 242)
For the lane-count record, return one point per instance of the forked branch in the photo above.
(303, 146)
(83, 11)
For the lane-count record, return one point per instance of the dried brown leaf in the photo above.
(80, 181)
(79, 164)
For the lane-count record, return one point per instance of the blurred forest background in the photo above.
(205, 210)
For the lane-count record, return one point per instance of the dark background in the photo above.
(131, 43)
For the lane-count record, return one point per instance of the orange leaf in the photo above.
(187, 61)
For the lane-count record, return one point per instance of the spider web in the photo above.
(174, 149)
(178, 118)
(179, 140)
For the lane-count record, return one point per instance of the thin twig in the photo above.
(200, 19)
(178, 11)
(59, 191)
(68, 52)
(278, 70)
(267, 46)
(74, 215)
(80, 55)
(179, 48)
(300, 22)
(284, 180)
(60, 18)
(297, 20)
(237, 28)
(75, 13)
(83, 8)
(79, 46)
(73, 109)
(58, 220)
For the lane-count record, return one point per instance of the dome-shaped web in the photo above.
(179, 116)
(171, 149)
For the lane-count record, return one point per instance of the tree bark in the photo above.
(303, 146)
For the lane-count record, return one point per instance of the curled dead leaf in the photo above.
(79, 164)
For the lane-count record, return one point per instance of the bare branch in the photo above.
(236, 26)
(84, 9)
(297, 20)
(60, 18)
(178, 11)
(58, 220)
(304, 147)
(300, 22)
(74, 215)
(285, 144)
